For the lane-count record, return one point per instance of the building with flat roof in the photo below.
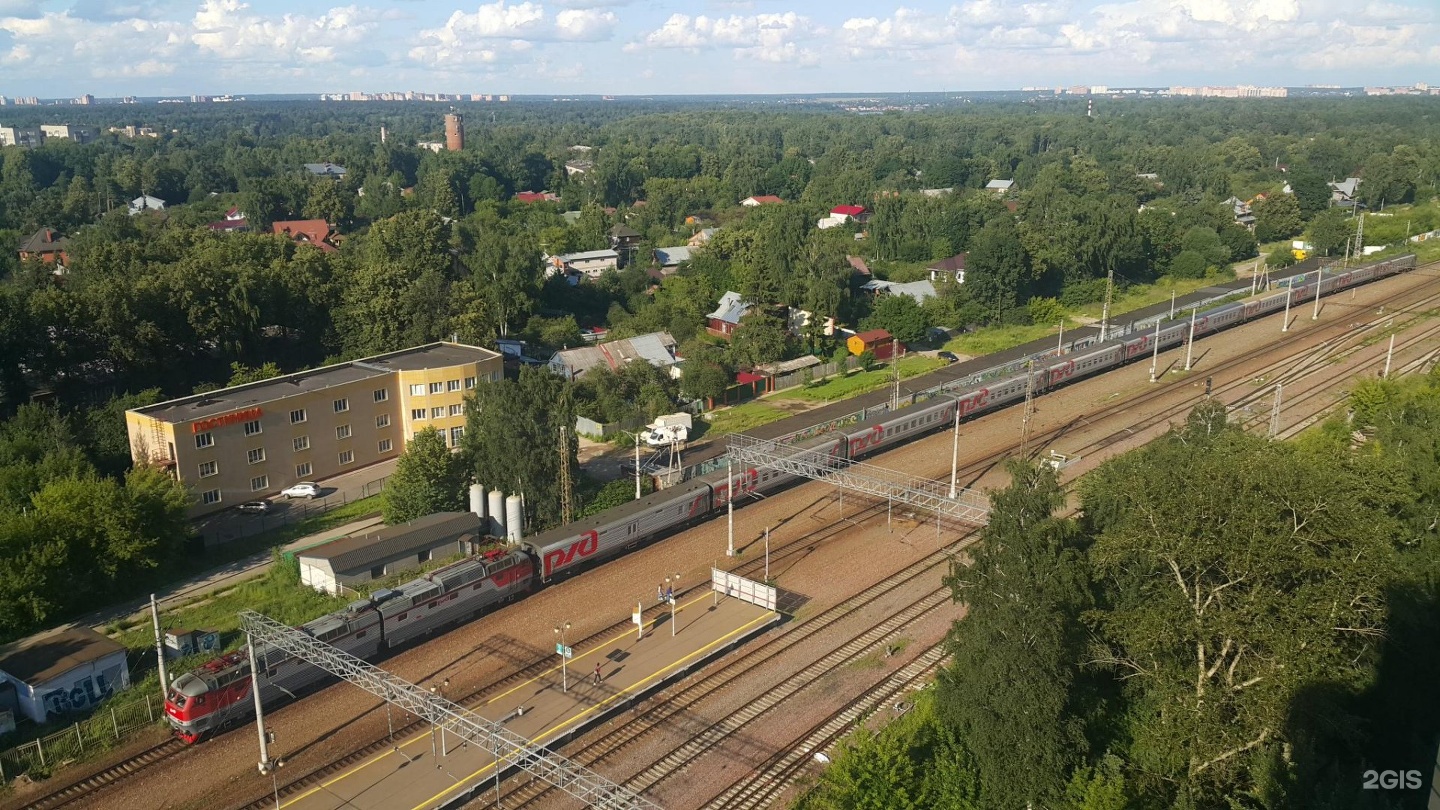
(360, 558)
(250, 441)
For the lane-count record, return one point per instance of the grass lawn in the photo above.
(993, 339)
(741, 418)
(1144, 295)
(859, 382)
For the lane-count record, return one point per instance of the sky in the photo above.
(63, 48)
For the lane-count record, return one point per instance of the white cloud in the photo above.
(762, 37)
(907, 29)
(479, 37)
(225, 29)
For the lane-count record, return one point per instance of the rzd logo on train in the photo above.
(588, 544)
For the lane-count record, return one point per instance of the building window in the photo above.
(301, 443)
(347, 457)
(436, 388)
(385, 445)
(382, 394)
(494, 376)
(423, 556)
(256, 455)
(456, 410)
(383, 420)
(203, 440)
(259, 482)
(436, 413)
(417, 413)
(452, 385)
(296, 417)
(208, 469)
(302, 470)
(342, 432)
(342, 405)
(252, 428)
(417, 390)
(469, 382)
(455, 434)
(378, 572)
(210, 496)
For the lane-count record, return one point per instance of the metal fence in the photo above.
(230, 526)
(108, 726)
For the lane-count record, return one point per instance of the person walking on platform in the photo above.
(659, 594)
(597, 673)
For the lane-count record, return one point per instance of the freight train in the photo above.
(218, 693)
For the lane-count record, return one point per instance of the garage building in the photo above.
(375, 555)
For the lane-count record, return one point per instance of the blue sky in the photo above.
(62, 48)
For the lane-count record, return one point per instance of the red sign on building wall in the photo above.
(227, 419)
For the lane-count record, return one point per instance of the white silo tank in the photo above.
(514, 519)
(497, 513)
(477, 503)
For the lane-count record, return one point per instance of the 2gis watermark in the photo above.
(1392, 780)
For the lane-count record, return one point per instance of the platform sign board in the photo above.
(746, 590)
(563, 651)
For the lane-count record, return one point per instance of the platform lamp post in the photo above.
(563, 649)
(670, 594)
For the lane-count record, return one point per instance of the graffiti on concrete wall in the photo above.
(85, 693)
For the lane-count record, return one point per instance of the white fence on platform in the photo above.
(746, 590)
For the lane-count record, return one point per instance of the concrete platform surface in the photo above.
(428, 772)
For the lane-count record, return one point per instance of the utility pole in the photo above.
(637, 465)
(955, 451)
(1029, 408)
(1155, 353)
(1275, 412)
(895, 374)
(1060, 346)
(1285, 326)
(160, 637)
(1389, 353)
(1172, 304)
(265, 763)
(566, 505)
(1190, 344)
(1319, 277)
(1105, 310)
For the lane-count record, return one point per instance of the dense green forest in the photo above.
(1257, 642)
(432, 245)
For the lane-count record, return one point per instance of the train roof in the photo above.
(620, 514)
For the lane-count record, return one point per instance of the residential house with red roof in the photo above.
(763, 199)
(315, 232)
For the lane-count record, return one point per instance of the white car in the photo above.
(304, 489)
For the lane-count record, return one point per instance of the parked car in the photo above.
(948, 357)
(254, 507)
(304, 489)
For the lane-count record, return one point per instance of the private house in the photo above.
(858, 265)
(1343, 193)
(331, 567)
(589, 263)
(574, 167)
(727, 315)
(670, 258)
(656, 348)
(878, 342)
(47, 245)
(1241, 211)
(326, 169)
(1001, 187)
(625, 240)
(919, 290)
(144, 203)
(762, 199)
(234, 221)
(701, 238)
(529, 197)
(841, 214)
(936, 192)
(951, 268)
(315, 232)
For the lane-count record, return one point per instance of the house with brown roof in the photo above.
(528, 197)
(315, 232)
(762, 199)
(953, 267)
(47, 245)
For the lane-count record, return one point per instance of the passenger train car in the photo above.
(218, 693)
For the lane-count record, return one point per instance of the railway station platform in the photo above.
(428, 772)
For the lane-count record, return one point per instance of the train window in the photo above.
(361, 634)
(402, 616)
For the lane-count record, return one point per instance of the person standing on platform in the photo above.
(597, 673)
(659, 593)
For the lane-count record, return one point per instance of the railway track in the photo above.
(74, 792)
